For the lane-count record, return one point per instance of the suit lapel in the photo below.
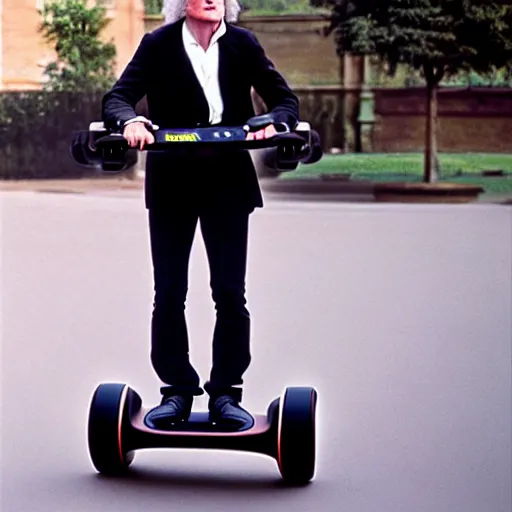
(187, 76)
(228, 64)
(223, 72)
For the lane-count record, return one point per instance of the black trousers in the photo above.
(225, 233)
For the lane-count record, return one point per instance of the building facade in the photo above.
(24, 53)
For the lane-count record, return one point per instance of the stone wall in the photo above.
(294, 43)
(25, 53)
(476, 120)
(470, 119)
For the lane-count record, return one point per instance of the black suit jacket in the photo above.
(161, 71)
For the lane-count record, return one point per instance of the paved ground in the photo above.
(399, 315)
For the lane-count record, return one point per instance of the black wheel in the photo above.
(108, 414)
(296, 435)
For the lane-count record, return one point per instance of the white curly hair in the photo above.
(173, 10)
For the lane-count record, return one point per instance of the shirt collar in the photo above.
(189, 39)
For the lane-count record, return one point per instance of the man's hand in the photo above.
(264, 133)
(137, 134)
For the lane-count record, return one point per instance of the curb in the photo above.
(73, 186)
(306, 189)
(349, 190)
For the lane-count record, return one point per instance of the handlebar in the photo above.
(111, 151)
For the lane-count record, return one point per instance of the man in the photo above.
(198, 70)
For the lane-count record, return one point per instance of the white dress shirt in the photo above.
(206, 68)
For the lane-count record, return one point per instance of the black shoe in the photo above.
(227, 412)
(172, 410)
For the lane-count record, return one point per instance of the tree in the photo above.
(440, 38)
(84, 62)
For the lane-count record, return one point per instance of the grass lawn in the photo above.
(457, 168)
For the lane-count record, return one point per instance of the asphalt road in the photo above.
(400, 316)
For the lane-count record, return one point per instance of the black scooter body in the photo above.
(100, 148)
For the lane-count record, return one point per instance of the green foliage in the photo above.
(439, 37)
(497, 78)
(84, 62)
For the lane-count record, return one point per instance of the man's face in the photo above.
(206, 10)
